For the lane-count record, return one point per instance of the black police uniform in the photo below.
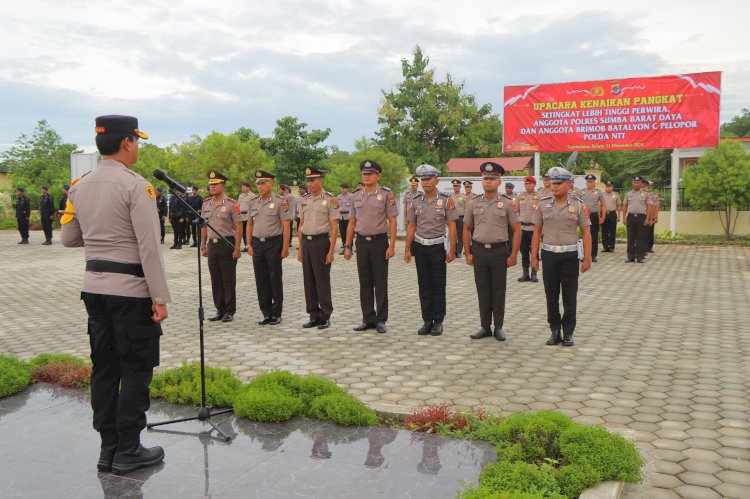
(46, 213)
(175, 213)
(161, 208)
(23, 212)
(195, 202)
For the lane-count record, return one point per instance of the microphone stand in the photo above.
(204, 413)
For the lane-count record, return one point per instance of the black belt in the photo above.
(266, 239)
(315, 236)
(637, 214)
(613, 211)
(243, 213)
(371, 238)
(527, 224)
(135, 269)
(216, 240)
(489, 245)
(344, 212)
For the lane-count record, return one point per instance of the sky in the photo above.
(187, 67)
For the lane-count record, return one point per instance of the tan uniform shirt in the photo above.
(244, 200)
(611, 201)
(317, 212)
(460, 201)
(345, 205)
(491, 218)
(637, 202)
(372, 211)
(268, 215)
(222, 216)
(116, 221)
(431, 216)
(408, 198)
(560, 223)
(591, 198)
(543, 192)
(527, 203)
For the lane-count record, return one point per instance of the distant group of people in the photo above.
(48, 213)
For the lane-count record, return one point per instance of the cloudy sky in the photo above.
(187, 67)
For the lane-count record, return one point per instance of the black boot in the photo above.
(525, 277)
(425, 329)
(568, 340)
(555, 338)
(534, 278)
(136, 458)
(107, 452)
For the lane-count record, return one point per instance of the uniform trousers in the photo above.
(459, 236)
(268, 274)
(431, 277)
(372, 269)
(609, 230)
(560, 272)
(526, 236)
(23, 228)
(594, 218)
(317, 277)
(186, 230)
(223, 270)
(244, 231)
(636, 236)
(343, 227)
(650, 237)
(490, 273)
(176, 230)
(47, 227)
(161, 228)
(124, 350)
(195, 231)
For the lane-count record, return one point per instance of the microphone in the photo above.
(173, 184)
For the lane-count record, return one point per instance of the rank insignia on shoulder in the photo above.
(237, 209)
(285, 205)
(451, 204)
(391, 199)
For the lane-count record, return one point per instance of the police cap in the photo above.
(370, 166)
(115, 124)
(216, 177)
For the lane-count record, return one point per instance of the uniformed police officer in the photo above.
(635, 208)
(429, 214)
(468, 185)
(286, 194)
(527, 203)
(268, 230)
(301, 192)
(196, 202)
(319, 214)
(161, 210)
(652, 216)
(345, 206)
(124, 290)
(46, 214)
(223, 214)
(558, 217)
(244, 199)
(612, 207)
(373, 219)
(63, 199)
(23, 213)
(546, 189)
(593, 198)
(509, 186)
(176, 219)
(410, 195)
(459, 199)
(494, 218)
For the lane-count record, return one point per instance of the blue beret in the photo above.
(509, 184)
(44, 187)
(66, 187)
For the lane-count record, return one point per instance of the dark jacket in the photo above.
(46, 206)
(175, 207)
(23, 207)
(161, 206)
(63, 201)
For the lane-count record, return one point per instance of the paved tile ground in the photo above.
(662, 348)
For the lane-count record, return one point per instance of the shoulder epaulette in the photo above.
(384, 188)
(578, 199)
(509, 197)
(444, 194)
(545, 197)
(231, 200)
(307, 195)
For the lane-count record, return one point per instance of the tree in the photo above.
(344, 168)
(721, 179)
(42, 159)
(150, 157)
(293, 148)
(738, 127)
(429, 121)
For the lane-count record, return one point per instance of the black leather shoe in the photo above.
(216, 317)
(194, 245)
(25, 241)
(324, 325)
(499, 334)
(482, 333)
(425, 329)
(568, 340)
(227, 318)
(525, 277)
(555, 338)
(275, 321)
(364, 326)
(649, 251)
(141, 457)
(437, 329)
(629, 260)
(266, 320)
(310, 323)
(641, 260)
(534, 278)
(380, 327)
(47, 243)
(106, 456)
(593, 259)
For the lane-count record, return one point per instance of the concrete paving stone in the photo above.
(696, 492)
(741, 465)
(664, 481)
(703, 433)
(699, 479)
(703, 443)
(667, 467)
(663, 443)
(735, 477)
(741, 442)
(733, 491)
(706, 424)
(641, 492)
(734, 432)
(695, 463)
(669, 455)
(673, 434)
(734, 452)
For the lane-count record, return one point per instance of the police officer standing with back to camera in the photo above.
(345, 205)
(635, 209)
(429, 214)
(244, 199)
(558, 217)
(124, 290)
(593, 198)
(319, 214)
(268, 230)
(23, 213)
(459, 199)
(176, 219)
(612, 208)
(373, 219)
(527, 203)
(46, 214)
(494, 219)
(161, 210)
(223, 214)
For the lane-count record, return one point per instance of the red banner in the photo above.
(662, 112)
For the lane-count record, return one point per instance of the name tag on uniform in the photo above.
(270, 205)
(499, 204)
(379, 197)
(439, 203)
(325, 203)
(223, 208)
(571, 209)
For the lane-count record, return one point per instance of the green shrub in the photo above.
(8, 223)
(260, 405)
(344, 409)
(482, 492)
(61, 358)
(274, 380)
(521, 477)
(311, 387)
(182, 385)
(536, 434)
(667, 236)
(613, 457)
(573, 479)
(15, 375)
(621, 232)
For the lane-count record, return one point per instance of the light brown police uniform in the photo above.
(611, 201)
(591, 198)
(527, 203)
(543, 192)
(431, 216)
(460, 201)
(637, 202)
(560, 223)
(115, 219)
(244, 200)
(268, 215)
(492, 218)
(222, 216)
